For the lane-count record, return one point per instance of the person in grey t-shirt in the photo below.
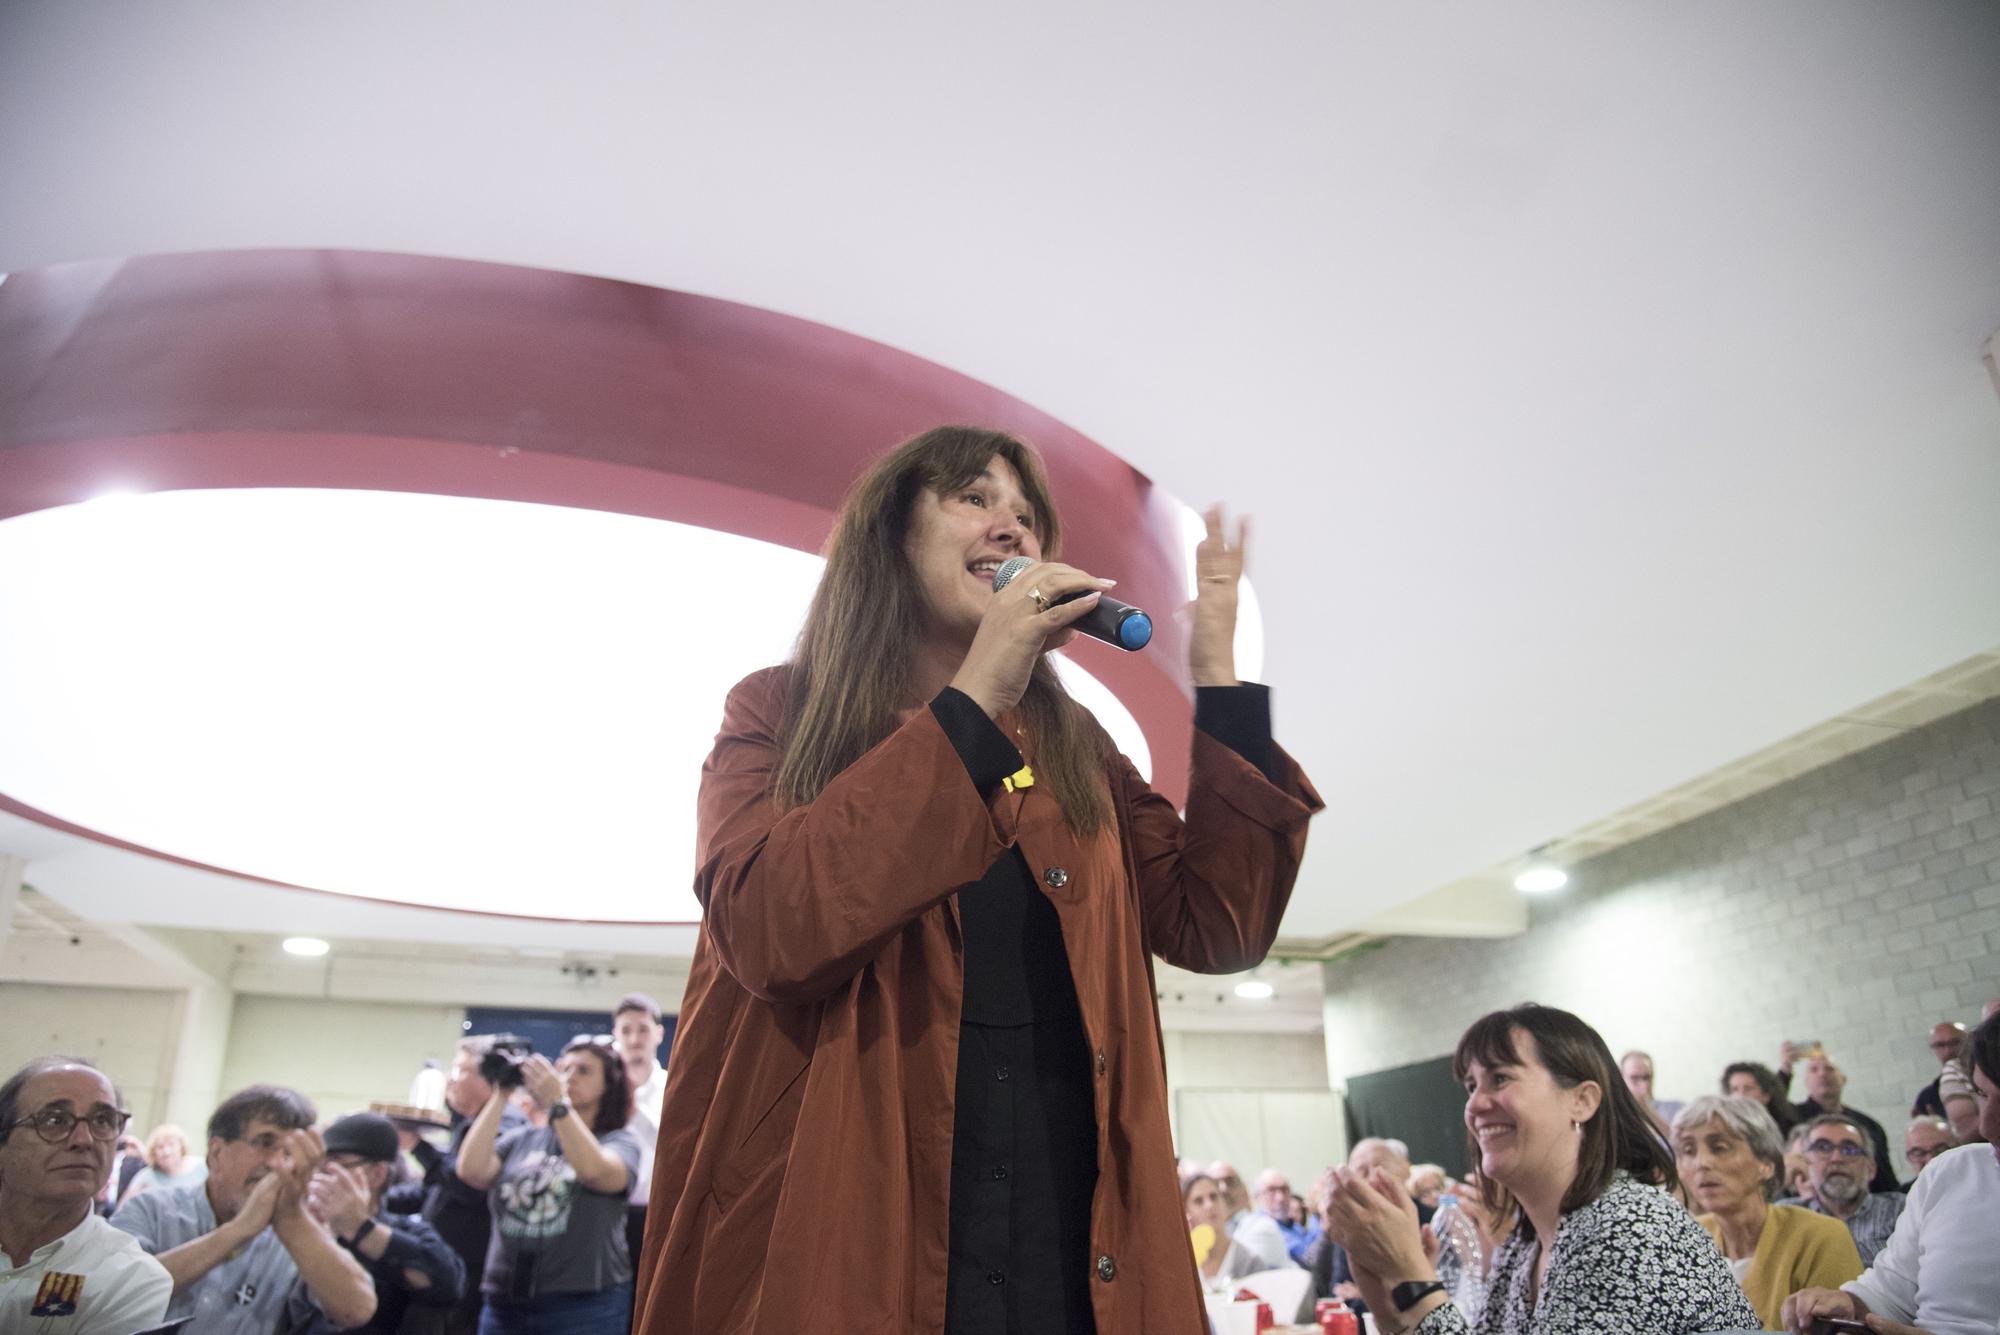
(237, 1244)
(558, 1260)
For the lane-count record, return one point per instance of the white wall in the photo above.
(340, 1054)
(127, 1033)
(1257, 1100)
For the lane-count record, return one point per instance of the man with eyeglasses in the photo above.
(237, 1244)
(1840, 1161)
(62, 1267)
(1924, 1139)
(1825, 1083)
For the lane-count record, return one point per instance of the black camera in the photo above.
(502, 1063)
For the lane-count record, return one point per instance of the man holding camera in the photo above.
(456, 1211)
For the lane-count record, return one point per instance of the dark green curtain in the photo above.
(1419, 1104)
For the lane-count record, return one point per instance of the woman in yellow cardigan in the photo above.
(1732, 1162)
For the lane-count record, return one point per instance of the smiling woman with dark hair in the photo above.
(1571, 1165)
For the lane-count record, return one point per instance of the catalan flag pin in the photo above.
(57, 1295)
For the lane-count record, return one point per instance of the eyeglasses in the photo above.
(1918, 1154)
(55, 1124)
(1822, 1148)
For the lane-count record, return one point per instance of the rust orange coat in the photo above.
(803, 1176)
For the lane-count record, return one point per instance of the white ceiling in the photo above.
(1604, 380)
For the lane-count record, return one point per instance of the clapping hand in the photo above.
(338, 1198)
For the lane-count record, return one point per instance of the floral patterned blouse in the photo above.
(1631, 1262)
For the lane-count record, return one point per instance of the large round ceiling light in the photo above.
(457, 703)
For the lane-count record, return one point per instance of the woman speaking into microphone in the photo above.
(917, 1081)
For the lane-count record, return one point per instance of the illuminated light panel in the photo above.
(1255, 989)
(311, 947)
(1540, 880)
(435, 700)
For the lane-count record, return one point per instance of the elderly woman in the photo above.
(1733, 1164)
(1573, 1167)
(921, 1005)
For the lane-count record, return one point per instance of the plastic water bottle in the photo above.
(1461, 1260)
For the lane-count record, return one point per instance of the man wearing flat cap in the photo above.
(411, 1265)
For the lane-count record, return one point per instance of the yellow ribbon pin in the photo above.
(1023, 777)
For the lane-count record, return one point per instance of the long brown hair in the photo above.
(851, 667)
(1618, 1135)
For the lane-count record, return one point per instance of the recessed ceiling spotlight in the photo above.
(1540, 874)
(1255, 989)
(305, 945)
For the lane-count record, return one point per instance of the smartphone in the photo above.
(1808, 1047)
(1835, 1325)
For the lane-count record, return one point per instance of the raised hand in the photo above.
(1019, 626)
(1218, 567)
(542, 1081)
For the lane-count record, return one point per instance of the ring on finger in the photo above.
(1040, 599)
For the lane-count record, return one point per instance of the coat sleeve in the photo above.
(796, 903)
(1213, 887)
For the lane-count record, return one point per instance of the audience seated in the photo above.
(129, 1162)
(1824, 1084)
(1227, 1257)
(1840, 1159)
(1938, 1272)
(1326, 1259)
(168, 1162)
(1235, 1196)
(1954, 1086)
(1947, 1036)
(1732, 1162)
(238, 1244)
(410, 1265)
(1637, 1069)
(1923, 1140)
(1570, 1155)
(558, 1262)
(1274, 1202)
(1760, 1084)
(1798, 1168)
(62, 1267)
(1428, 1181)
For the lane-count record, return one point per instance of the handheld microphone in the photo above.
(1111, 621)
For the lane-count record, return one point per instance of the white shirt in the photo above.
(114, 1286)
(645, 1124)
(1937, 1270)
(1260, 1236)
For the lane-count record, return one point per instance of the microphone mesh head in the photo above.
(1009, 568)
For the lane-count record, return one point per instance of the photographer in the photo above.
(558, 1260)
(485, 1063)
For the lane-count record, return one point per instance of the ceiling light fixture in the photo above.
(1541, 875)
(309, 946)
(1255, 989)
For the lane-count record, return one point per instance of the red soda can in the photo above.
(1339, 1320)
(1265, 1320)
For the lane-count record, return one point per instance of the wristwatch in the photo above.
(559, 1109)
(1413, 1291)
(367, 1227)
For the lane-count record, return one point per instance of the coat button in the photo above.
(1107, 1269)
(1000, 1172)
(1056, 878)
(996, 1277)
(1100, 1061)
(1001, 1073)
